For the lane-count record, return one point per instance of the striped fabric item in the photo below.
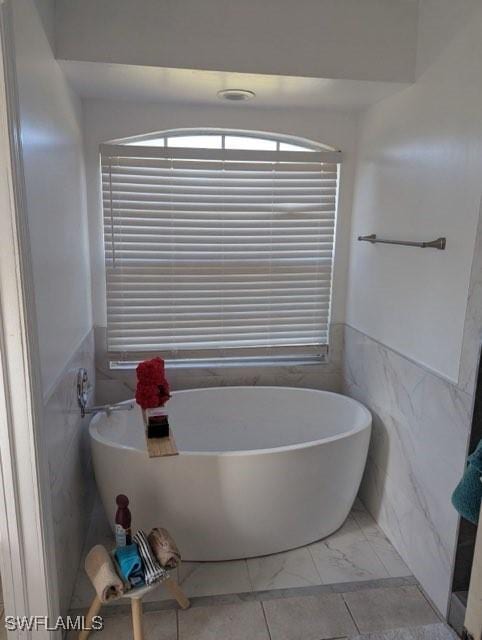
(153, 570)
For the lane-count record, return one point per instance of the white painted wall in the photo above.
(419, 176)
(369, 40)
(55, 181)
(107, 120)
(50, 119)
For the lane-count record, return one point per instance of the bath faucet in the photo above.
(110, 408)
(83, 392)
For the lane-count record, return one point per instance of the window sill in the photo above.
(218, 363)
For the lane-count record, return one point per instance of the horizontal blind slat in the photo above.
(127, 182)
(311, 229)
(203, 187)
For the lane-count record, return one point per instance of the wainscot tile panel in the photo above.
(71, 475)
(421, 425)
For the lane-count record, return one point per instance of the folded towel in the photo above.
(101, 571)
(130, 564)
(127, 584)
(164, 548)
(153, 572)
(468, 494)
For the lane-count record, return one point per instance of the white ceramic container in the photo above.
(260, 470)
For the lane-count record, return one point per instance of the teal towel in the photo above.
(468, 494)
(130, 563)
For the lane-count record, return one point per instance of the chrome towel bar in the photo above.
(439, 243)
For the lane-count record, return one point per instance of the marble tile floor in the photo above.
(392, 613)
(357, 552)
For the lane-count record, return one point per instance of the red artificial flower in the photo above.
(152, 387)
(147, 396)
(151, 371)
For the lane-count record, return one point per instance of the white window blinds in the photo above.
(214, 252)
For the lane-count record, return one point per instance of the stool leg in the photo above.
(177, 593)
(93, 611)
(136, 606)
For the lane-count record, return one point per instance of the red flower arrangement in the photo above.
(152, 387)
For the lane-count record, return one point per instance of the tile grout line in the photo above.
(266, 620)
(350, 613)
(372, 546)
(307, 582)
(363, 537)
(251, 583)
(432, 606)
(314, 563)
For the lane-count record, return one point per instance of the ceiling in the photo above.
(155, 84)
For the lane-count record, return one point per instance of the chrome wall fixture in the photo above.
(439, 243)
(83, 390)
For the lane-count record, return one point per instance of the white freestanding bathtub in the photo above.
(260, 470)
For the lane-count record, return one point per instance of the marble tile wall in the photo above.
(421, 427)
(71, 476)
(115, 385)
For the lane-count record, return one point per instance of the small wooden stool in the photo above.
(135, 596)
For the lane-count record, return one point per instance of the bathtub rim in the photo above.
(366, 424)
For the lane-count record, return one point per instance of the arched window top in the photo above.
(225, 139)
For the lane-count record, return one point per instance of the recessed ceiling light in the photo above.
(236, 95)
